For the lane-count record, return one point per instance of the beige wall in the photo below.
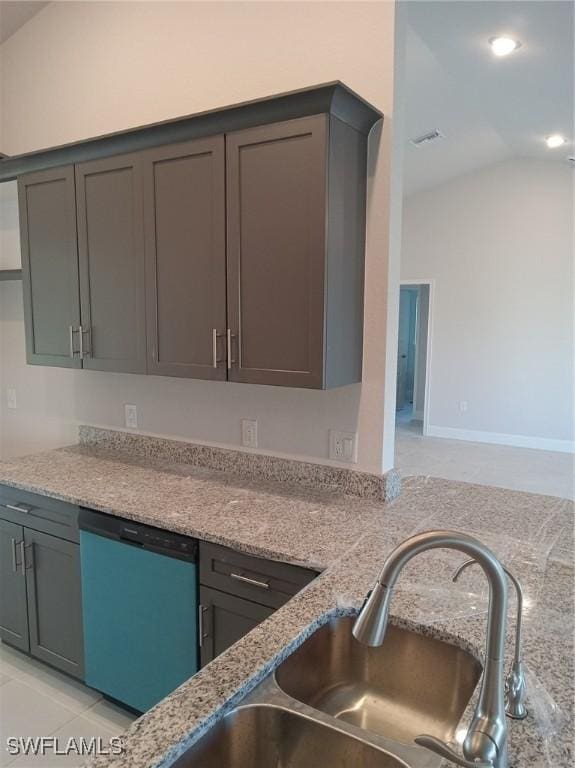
(499, 245)
(81, 69)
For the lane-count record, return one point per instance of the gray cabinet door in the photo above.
(111, 251)
(276, 248)
(54, 601)
(47, 207)
(13, 608)
(225, 619)
(184, 205)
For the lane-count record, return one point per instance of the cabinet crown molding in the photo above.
(333, 98)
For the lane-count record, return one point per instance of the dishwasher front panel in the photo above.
(140, 620)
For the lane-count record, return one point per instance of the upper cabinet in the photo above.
(47, 207)
(184, 220)
(111, 255)
(237, 254)
(295, 238)
(276, 192)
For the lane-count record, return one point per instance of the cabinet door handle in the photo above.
(72, 331)
(215, 336)
(82, 332)
(24, 508)
(23, 557)
(202, 636)
(231, 336)
(14, 560)
(247, 580)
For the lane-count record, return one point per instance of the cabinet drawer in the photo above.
(263, 581)
(40, 513)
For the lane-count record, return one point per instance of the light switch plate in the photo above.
(131, 416)
(343, 446)
(249, 433)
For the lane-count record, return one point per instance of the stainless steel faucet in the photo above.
(515, 685)
(485, 745)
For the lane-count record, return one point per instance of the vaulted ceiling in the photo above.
(488, 108)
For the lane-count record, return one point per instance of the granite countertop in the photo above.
(347, 538)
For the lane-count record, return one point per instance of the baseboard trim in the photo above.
(499, 438)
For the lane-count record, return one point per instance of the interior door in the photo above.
(13, 608)
(53, 585)
(276, 209)
(184, 204)
(47, 209)
(112, 267)
(402, 348)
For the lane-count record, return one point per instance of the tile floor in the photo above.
(522, 469)
(36, 700)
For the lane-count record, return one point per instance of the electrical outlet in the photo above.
(463, 406)
(11, 400)
(131, 416)
(343, 446)
(249, 433)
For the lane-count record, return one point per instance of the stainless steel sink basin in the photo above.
(410, 685)
(264, 736)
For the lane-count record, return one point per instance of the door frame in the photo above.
(427, 396)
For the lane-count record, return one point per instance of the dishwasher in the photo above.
(140, 608)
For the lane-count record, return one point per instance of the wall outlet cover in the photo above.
(11, 399)
(343, 446)
(131, 416)
(249, 433)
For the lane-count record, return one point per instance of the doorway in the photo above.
(413, 355)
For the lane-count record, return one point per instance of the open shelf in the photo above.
(10, 274)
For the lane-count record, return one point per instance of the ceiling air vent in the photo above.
(427, 138)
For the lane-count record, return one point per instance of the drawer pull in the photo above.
(24, 508)
(253, 582)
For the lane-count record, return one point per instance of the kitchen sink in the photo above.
(265, 736)
(412, 684)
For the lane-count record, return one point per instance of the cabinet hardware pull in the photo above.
(231, 336)
(24, 508)
(201, 610)
(215, 336)
(72, 331)
(23, 557)
(14, 560)
(253, 582)
(85, 352)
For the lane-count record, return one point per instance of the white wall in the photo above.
(81, 69)
(499, 245)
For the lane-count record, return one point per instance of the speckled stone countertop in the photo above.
(348, 538)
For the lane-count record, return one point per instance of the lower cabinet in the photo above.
(53, 590)
(13, 601)
(239, 591)
(40, 589)
(224, 620)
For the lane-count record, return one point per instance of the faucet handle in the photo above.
(441, 749)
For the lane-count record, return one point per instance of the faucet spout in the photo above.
(486, 740)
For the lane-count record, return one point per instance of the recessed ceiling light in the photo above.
(554, 141)
(503, 46)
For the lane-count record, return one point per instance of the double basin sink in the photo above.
(340, 704)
